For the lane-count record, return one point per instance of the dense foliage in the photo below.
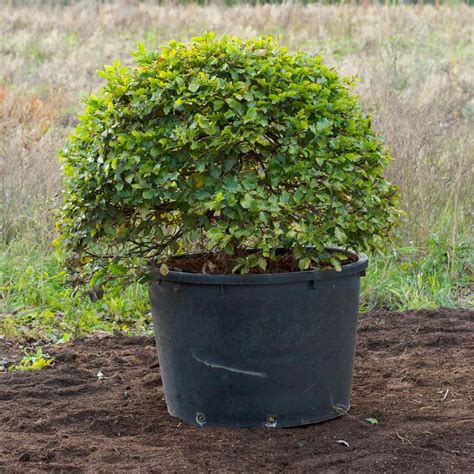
(219, 146)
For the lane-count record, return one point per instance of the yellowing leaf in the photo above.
(198, 180)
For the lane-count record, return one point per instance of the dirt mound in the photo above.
(413, 375)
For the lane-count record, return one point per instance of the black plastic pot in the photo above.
(257, 350)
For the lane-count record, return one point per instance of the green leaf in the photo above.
(251, 115)
(335, 262)
(252, 260)
(117, 270)
(98, 278)
(109, 229)
(194, 86)
(229, 249)
(372, 421)
(340, 235)
(304, 263)
(323, 125)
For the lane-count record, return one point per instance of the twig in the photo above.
(445, 395)
(403, 438)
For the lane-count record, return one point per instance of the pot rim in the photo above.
(355, 268)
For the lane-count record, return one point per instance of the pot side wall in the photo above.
(273, 355)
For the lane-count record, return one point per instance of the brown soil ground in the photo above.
(413, 374)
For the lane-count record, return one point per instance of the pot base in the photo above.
(270, 421)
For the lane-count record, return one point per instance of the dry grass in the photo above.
(417, 65)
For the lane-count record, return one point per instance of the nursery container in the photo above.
(257, 350)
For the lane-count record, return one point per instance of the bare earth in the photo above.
(413, 374)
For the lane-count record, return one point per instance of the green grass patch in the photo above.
(36, 302)
(407, 278)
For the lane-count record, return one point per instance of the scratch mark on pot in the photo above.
(216, 365)
(309, 388)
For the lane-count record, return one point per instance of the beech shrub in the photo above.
(227, 146)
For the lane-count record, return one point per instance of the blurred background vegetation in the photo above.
(416, 69)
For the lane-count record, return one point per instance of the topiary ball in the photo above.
(231, 147)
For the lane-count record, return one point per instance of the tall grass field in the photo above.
(415, 65)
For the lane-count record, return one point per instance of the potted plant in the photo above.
(240, 180)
